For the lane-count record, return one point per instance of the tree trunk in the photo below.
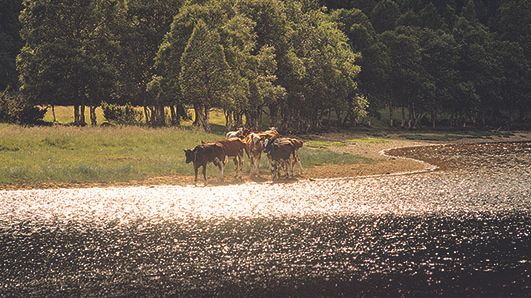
(273, 115)
(146, 115)
(76, 115)
(82, 121)
(433, 119)
(260, 117)
(403, 123)
(53, 113)
(339, 119)
(238, 119)
(93, 120)
(198, 115)
(391, 115)
(201, 117)
(229, 121)
(175, 118)
(162, 115)
(207, 118)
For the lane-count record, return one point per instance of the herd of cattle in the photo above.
(281, 152)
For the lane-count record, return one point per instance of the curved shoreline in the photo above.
(180, 180)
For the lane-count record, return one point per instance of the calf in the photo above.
(280, 152)
(253, 148)
(233, 148)
(203, 154)
(297, 144)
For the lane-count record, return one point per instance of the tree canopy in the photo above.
(300, 64)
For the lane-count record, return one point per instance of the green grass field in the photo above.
(64, 154)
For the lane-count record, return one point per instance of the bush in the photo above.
(14, 108)
(123, 115)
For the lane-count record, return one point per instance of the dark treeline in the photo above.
(305, 64)
(456, 62)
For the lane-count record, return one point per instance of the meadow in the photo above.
(68, 154)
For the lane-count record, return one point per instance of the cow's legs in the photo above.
(195, 170)
(257, 163)
(221, 166)
(241, 164)
(289, 165)
(204, 173)
(237, 165)
(274, 170)
(253, 165)
(301, 170)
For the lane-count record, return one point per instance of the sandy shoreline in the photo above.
(383, 162)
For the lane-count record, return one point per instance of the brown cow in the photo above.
(233, 148)
(270, 134)
(280, 152)
(297, 144)
(253, 148)
(203, 154)
(255, 145)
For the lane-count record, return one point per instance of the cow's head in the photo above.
(189, 154)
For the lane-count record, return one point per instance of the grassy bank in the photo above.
(38, 155)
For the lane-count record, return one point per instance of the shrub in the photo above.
(14, 108)
(123, 115)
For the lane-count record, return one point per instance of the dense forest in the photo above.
(304, 64)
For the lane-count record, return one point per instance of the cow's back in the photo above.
(232, 146)
(282, 150)
(209, 152)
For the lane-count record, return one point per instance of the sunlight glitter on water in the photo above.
(422, 194)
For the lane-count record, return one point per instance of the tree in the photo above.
(254, 84)
(331, 69)
(409, 84)
(144, 25)
(515, 17)
(205, 73)
(274, 28)
(72, 42)
(469, 11)
(384, 15)
(53, 53)
(439, 58)
(10, 42)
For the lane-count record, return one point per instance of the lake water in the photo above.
(464, 230)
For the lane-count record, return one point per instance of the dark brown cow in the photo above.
(203, 154)
(280, 152)
(297, 144)
(233, 148)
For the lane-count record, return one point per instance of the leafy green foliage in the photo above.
(456, 63)
(15, 108)
(123, 115)
(10, 42)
